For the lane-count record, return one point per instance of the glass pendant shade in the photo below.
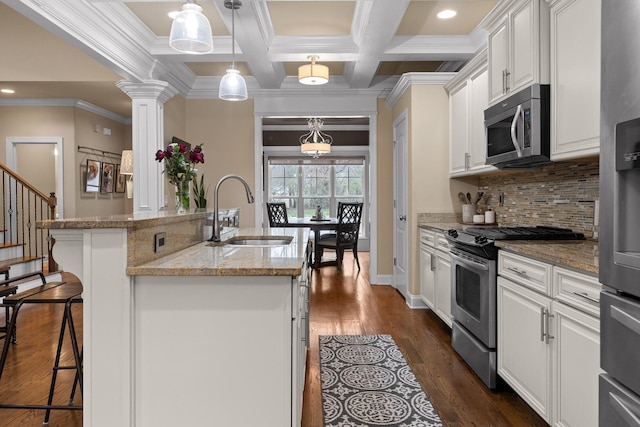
(191, 31)
(232, 86)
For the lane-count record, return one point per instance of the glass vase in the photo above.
(182, 197)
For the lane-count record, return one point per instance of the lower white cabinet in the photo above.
(443, 287)
(576, 366)
(524, 358)
(549, 343)
(435, 274)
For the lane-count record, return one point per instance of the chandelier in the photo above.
(315, 143)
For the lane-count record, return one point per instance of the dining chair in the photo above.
(277, 213)
(346, 236)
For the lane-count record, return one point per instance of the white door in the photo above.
(400, 235)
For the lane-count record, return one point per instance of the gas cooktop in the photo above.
(525, 233)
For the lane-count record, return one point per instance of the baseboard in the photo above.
(381, 279)
(414, 301)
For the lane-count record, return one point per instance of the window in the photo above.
(305, 184)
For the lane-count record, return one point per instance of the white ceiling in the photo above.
(367, 45)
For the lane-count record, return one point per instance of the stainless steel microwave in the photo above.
(517, 129)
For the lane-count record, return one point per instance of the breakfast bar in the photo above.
(188, 332)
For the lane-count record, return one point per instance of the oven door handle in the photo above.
(514, 124)
(469, 262)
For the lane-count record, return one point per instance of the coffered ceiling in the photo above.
(79, 48)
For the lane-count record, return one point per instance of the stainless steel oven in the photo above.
(473, 303)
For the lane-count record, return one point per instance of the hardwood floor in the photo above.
(341, 303)
(345, 303)
(27, 373)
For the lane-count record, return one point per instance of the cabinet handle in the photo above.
(517, 270)
(466, 161)
(545, 325)
(586, 296)
(504, 85)
(433, 263)
(506, 80)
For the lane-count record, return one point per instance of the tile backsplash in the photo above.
(559, 195)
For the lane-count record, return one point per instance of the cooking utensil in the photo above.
(462, 198)
(479, 195)
(469, 197)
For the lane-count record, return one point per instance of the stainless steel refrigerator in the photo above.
(619, 388)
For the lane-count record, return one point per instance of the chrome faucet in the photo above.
(216, 223)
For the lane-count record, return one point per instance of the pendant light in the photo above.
(315, 143)
(191, 31)
(313, 74)
(232, 86)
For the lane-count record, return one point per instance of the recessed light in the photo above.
(446, 14)
(7, 91)
(173, 14)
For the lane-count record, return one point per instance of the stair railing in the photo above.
(22, 207)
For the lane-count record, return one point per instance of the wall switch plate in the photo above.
(159, 242)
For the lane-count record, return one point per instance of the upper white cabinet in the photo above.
(575, 78)
(467, 101)
(518, 47)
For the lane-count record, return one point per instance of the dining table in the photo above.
(316, 225)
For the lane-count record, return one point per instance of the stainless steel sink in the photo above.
(258, 241)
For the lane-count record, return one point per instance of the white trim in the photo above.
(408, 79)
(11, 157)
(64, 102)
(415, 301)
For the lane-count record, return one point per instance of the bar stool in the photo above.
(67, 293)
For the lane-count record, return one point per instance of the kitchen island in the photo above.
(192, 334)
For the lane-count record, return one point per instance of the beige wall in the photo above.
(227, 131)
(75, 126)
(429, 188)
(384, 190)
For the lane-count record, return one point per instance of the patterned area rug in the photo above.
(366, 382)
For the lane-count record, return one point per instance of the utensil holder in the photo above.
(468, 211)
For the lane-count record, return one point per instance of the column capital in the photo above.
(155, 89)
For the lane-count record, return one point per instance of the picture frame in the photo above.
(92, 182)
(107, 177)
(121, 181)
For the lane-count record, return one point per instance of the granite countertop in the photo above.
(579, 255)
(143, 219)
(202, 259)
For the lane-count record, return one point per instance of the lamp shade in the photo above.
(232, 86)
(126, 164)
(191, 31)
(313, 74)
(315, 149)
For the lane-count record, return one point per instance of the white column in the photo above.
(148, 98)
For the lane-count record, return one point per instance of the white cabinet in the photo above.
(549, 338)
(435, 274)
(427, 269)
(576, 366)
(524, 358)
(518, 47)
(443, 287)
(575, 78)
(467, 101)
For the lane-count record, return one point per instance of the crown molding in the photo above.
(409, 79)
(64, 102)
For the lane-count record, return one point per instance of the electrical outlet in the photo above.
(159, 242)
